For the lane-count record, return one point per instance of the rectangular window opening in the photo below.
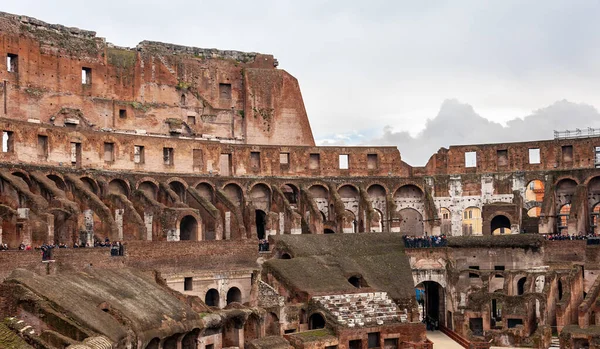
(344, 160)
(373, 340)
(534, 155)
(75, 153)
(42, 148)
(7, 142)
(225, 91)
(502, 156)
(372, 161)
(225, 164)
(191, 120)
(209, 346)
(86, 76)
(168, 156)
(470, 159)
(314, 161)
(122, 113)
(512, 323)
(567, 153)
(255, 161)
(12, 63)
(355, 344)
(390, 343)
(284, 161)
(597, 157)
(138, 154)
(197, 159)
(109, 149)
(188, 284)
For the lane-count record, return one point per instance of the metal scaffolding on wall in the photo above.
(577, 133)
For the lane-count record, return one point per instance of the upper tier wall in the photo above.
(56, 74)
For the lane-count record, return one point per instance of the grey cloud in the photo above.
(458, 123)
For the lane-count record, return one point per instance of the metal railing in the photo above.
(577, 133)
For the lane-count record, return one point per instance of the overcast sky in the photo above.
(419, 74)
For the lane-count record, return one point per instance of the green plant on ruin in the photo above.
(35, 92)
(183, 86)
(241, 113)
(174, 122)
(143, 107)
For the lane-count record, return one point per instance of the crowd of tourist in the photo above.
(116, 247)
(263, 245)
(425, 241)
(591, 238)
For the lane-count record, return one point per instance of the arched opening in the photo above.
(357, 281)
(431, 301)
(90, 184)
(189, 340)
(171, 342)
(316, 321)
(234, 295)
(286, 255)
(251, 328)
(377, 221)
(58, 181)
(261, 222)
(23, 177)
(149, 188)
(500, 225)
(323, 217)
(179, 189)
(320, 196)
(153, 344)
(290, 193)
(471, 221)
(260, 196)
(446, 218)
(212, 298)
(182, 99)
(411, 222)
(188, 229)
(521, 286)
(234, 194)
(118, 186)
(496, 314)
(534, 211)
(534, 191)
(563, 218)
(329, 231)
(594, 200)
(272, 325)
(351, 225)
(205, 190)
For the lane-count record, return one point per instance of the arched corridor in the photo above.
(431, 301)
(188, 229)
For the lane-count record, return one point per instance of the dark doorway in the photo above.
(212, 298)
(188, 228)
(316, 321)
(432, 303)
(329, 231)
(500, 225)
(234, 295)
(476, 326)
(521, 286)
(261, 220)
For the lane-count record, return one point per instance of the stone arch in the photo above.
(562, 221)
(91, 184)
(189, 340)
(171, 341)
(320, 195)
(179, 187)
(377, 189)
(212, 298)
(234, 193)
(23, 175)
(316, 321)
(351, 226)
(411, 222)
(260, 196)
(188, 229)
(150, 188)
(432, 300)
(595, 217)
(206, 190)
(409, 190)
(285, 255)
(272, 327)
(290, 192)
(500, 224)
(565, 189)
(234, 295)
(534, 191)
(118, 186)
(58, 181)
(252, 328)
(153, 344)
(350, 196)
(182, 99)
(377, 221)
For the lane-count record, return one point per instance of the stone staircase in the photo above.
(361, 309)
(554, 343)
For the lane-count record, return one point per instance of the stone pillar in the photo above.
(227, 225)
(148, 223)
(119, 220)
